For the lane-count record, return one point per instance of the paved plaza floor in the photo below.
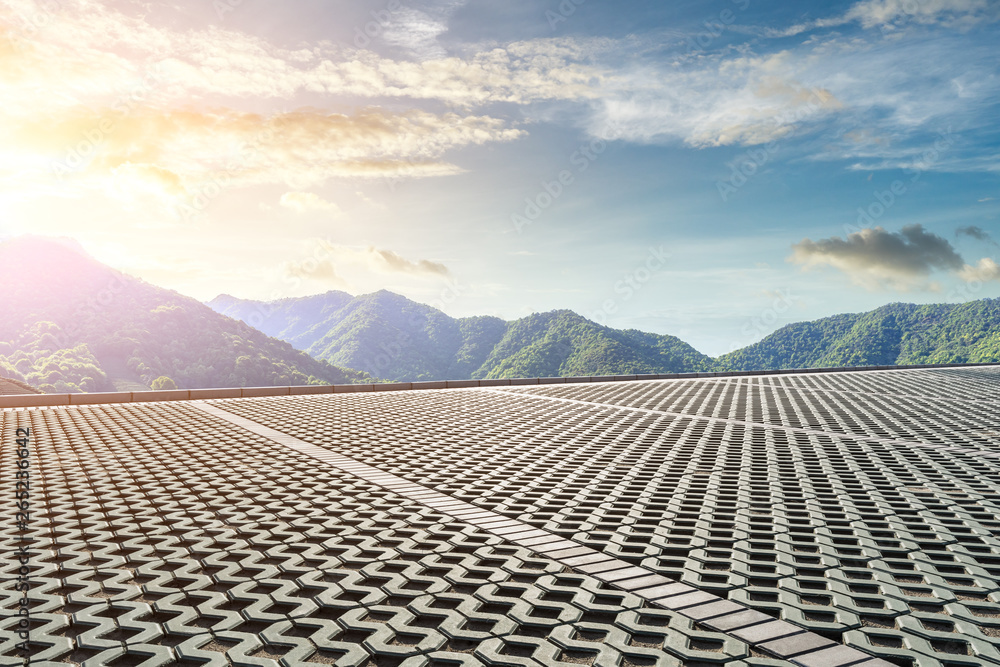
(811, 519)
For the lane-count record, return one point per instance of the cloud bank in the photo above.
(877, 259)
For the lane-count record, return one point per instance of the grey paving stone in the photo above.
(680, 602)
(535, 540)
(603, 566)
(516, 533)
(712, 609)
(493, 525)
(618, 575)
(765, 632)
(664, 591)
(563, 554)
(580, 561)
(834, 656)
(473, 515)
(793, 645)
(555, 546)
(648, 581)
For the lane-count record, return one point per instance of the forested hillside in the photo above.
(391, 336)
(895, 334)
(72, 324)
(395, 338)
(562, 343)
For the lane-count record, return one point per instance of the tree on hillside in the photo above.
(163, 383)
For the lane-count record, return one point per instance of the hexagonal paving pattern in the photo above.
(813, 519)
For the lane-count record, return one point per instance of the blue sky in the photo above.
(710, 170)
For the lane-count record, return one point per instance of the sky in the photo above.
(710, 170)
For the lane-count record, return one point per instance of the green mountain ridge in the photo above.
(392, 337)
(561, 343)
(894, 334)
(72, 324)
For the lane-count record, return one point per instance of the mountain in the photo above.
(71, 323)
(390, 336)
(12, 387)
(894, 334)
(383, 333)
(798, 345)
(297, 321)
(562, 343)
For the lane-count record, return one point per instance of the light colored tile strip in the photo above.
(761, 631)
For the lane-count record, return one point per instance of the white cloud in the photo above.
(371, 202)
(327, 263)
(322, 272)
(82, 58)
(384, 261)
(134, 180)
(718, 102)
(417, 27)
(871, 13)
(303, 202)
(890, 14)
(184, 154)
(613, 91)
(986, 270)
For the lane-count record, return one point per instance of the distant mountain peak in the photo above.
(38, 243)
(392, 336)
